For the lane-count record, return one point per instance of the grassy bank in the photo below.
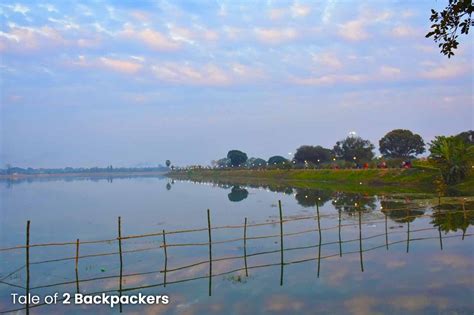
(415, 180)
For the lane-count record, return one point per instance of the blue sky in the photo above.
(129, 82)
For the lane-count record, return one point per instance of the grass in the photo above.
(414, 180)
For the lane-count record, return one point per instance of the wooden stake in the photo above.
(408, 231)
(28, 266)
(210, 250)
(166, 257)
(360, 242)
(340, 242)
(121, 259)
(245, 247)
(320, 239)
(386, 232)
(281, 243)
(77, 265)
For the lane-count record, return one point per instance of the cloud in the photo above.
(328, 60)
(121, 65)
(194, 35)
(21, 38)
(186, 74)
(275, 35)
(330, 79)
(405, 31)
(299, 10)
(151, 38)
(390, 72)
(355, 30)
(445, 71)
(48, 7)
(18, 8)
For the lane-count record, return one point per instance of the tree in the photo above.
(467, 136)
(354, 149)
(452, 156)
(313, 154)
(236, 157)
(256, 162)
(277, 160)
(401, 143)
(168, 163)
(457, 15)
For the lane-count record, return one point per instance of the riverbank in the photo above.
(79, 175)
(415, 180)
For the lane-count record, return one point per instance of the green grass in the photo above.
(415, 180)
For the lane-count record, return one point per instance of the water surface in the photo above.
(386, 254)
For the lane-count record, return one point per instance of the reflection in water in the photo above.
(168, 186)
(237, 194)
(400, 212)
(309, 197)
(449, 221)
(352, 202)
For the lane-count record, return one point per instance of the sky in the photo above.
(129, 83)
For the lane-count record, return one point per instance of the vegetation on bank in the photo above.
(414, 180)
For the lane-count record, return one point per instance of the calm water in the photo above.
(365, 255)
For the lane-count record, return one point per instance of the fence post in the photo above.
(210, 251)
(245, 247)
(28, 267)
(408, 231)
(320, 238)
(386, 232)
(281, 242)
(166, 257)
(77, 265)
(360, 241)
(121, 259)
(340, 242)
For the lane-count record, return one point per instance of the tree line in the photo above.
(452, 155)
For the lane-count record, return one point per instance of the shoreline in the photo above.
(91, 174)
(360, 180)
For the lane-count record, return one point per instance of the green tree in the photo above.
(256, 162)
(354, 149)
(278, 160)
(168, 163)
(401, 143)
(447, 23)
(237, 157)
(313, 154)
(467, 136)
(452, 156)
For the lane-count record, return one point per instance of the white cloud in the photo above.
(48, 7)
(299, 10)
(330, 79)
(124, 66)
(389, 72)
(186, 74)
(405, 31)
(19, 8)
(328, 60)
(446, 71)
(275, 35)
(354, 30)
(151, 38)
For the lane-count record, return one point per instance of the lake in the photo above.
(343, 253)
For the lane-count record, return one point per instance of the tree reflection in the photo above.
(309, 197)
(237, 194)
(449, 221)
(398, 211)
(352, 202)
